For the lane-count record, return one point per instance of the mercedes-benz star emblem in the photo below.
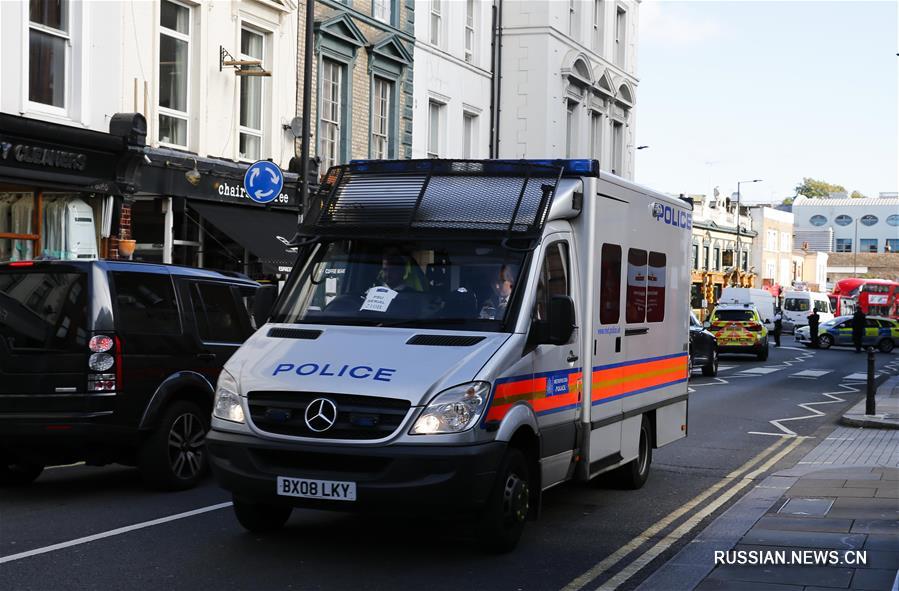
(321, 414)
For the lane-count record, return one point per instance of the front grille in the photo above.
(358, 417)
(442, 340)
(293, 333)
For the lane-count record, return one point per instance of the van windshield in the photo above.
(43, 310)
(796, 305)
(438, 284)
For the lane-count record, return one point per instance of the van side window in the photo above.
(222, 318)
(655, 287)
(610, 284)
(554, 277)
(822, 306)
(636, 286)
(145, 303)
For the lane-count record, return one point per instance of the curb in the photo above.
(856, 417)
(874, 422)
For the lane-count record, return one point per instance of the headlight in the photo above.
(227, 404)
(454, 410)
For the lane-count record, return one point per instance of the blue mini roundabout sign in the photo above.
(263, 181)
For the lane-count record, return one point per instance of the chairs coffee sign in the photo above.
(263, 181)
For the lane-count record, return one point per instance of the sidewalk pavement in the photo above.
(843, 496)
(886, 407)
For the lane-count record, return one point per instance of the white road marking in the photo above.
(803, 349)
(860, 377)
(64, 466)
(644, 559)
(811, 373)
(725, 367)
(761, 370)
(657, 527)
(847, 389)
(112, 532)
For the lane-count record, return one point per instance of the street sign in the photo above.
(263, 181)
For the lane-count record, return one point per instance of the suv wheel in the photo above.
(174, 456)
(19, 473)
(259, 518)
(710, 369)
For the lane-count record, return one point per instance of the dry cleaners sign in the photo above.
(42, 156)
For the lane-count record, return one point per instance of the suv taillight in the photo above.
(104, 363)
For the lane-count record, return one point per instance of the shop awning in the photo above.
(263, 232)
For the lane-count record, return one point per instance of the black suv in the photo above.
(703, 348)
(106, 361)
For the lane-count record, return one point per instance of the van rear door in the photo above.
(44, 334)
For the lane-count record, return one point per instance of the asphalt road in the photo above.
(581, 527)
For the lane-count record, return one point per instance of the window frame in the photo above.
(433, 151)
(388, 5)
(339, 124)
(68, 43)
(595, 133)
(620, 36)
(605, 280)
(388, 119)
(617, 147)
(166, 111)
(241, 129)
(846, 245)
(598, 20)
(435, 22)
(469, 128)
(627, 297)
(469, 32)
(562, 246)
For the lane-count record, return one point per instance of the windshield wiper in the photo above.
(425, 321)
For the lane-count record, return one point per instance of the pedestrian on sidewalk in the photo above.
(778, 326)
(813, 321)
(858, 329)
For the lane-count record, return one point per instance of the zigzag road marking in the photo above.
(786, 432)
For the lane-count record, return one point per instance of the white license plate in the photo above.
(331, 490)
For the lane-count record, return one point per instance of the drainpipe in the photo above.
(496, 77)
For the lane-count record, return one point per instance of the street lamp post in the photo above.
(739, 244)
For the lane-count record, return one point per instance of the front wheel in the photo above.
(259, 518)
(174, 456)
(502, 521)
(634, 474)
(886, 345)
(19, 473)
(825, 341)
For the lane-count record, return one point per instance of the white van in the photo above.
(799, 304)
(760, 298)
(428, 349)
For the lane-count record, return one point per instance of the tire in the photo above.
(634, 474)
(710, 369)
(19, 473)
(260, 519)
(502, 521)
(825, 341)
(174, 456)
(886, 345)
(762, 355)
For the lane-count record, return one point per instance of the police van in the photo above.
(429, 348)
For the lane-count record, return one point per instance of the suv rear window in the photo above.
(145, 303)
(43, 310)
(735, 315)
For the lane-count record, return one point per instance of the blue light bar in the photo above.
(479, 167)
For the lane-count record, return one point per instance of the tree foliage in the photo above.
(810, 187)
(857, 195)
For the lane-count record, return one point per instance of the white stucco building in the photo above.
(772, 248)
(453, 80)
(869, 224)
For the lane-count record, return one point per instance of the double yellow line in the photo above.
(744, 476)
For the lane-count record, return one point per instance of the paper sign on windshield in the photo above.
(378, 299)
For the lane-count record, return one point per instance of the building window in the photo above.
(572, 17)
(436, 21)
(771, 240)
(381, 10)
(843, 245)
(435, 114)
(843, 220)
(598, 9)
(745, 257)
(252, 47)
(891, 245)
(595, 134)
(770, 270)
(469, 130)
(570, 129)
(716, 262)
(620, 33)
(380, 118)
(696, 258)
(48, 43)
(174, 72)
(817, 220)
(893, 220)
(331, 113)
(869, 220)
(617, 147)
(727, 258)
(786, 242)
(469, 31)
(867, 245)
(706, 258)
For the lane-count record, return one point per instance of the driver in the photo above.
(495, 306)
(393, 272)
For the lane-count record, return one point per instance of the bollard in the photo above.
(869, 397)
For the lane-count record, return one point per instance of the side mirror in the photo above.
(263, 302)
(707, 324)
(561, 320)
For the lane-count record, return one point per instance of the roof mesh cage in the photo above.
(508, 197)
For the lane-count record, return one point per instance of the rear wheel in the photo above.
(634, 474)
(260, 518)
(19, 473)
(886, 345)
(762, 355)
(710, 369)
(501, 523)
(174, 456)
(825, 341)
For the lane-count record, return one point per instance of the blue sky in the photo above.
(774, 90)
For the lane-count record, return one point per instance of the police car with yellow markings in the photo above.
(739, 329)
(880, 332)
(458, 336)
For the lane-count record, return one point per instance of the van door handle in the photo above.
(207, 356)
(572, 357)
(630, 332)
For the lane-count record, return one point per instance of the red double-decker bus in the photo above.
(877, 297)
